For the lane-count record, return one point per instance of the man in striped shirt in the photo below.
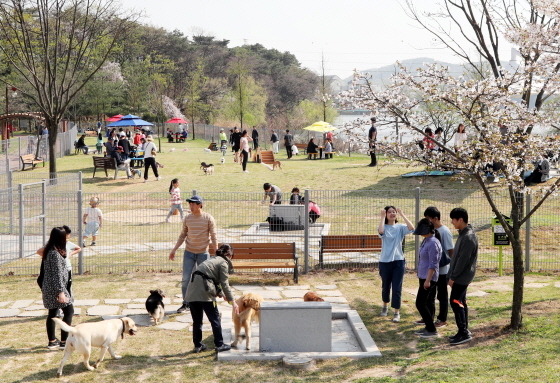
(199, 232)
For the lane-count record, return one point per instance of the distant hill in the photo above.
(380, 76)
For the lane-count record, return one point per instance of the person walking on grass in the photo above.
(275, 142)
(428, 273)
(198, 234)
(288, 142)
(391, 260)
(372, 138)
(176, 203)
(150, 151)
(244, 149)
(433, 214)
(93, 219)
(461, 273)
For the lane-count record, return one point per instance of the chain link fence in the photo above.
(135, 236)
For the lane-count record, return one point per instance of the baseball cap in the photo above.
(422, 229)
(195, 199)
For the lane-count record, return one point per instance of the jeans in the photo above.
(442, 297)
(189, 261)
(425, 304)
(177, 206)
(392, 274)
(213, 315)
(458, 301)
(51, 327)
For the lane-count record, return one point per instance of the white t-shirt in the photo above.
(69, 249)
(93, 214)
(148, 149)
(460, 138)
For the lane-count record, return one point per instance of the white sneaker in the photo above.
(396, 317)
(245, 171)
(145, 180)
(158, 178)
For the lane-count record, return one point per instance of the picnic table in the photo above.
(179, 137)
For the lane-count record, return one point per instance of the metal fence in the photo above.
(12, 149)
(135, 237)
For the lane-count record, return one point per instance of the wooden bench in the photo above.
(301, 147)
(347, 243)
(267, 157)
(265, 256)
(105, 163)
(328, 154)
(29, 159)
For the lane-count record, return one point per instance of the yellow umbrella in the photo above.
(320, 126)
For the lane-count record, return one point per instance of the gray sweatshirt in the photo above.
(465, 254)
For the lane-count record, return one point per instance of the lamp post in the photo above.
(5, 130)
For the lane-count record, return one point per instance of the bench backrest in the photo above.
(263, 250)
(365, 241)
(267, 157)
(28, 157)
(104, 162)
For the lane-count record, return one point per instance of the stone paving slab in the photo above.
(134, 247)
(536, 285)
(265, 294)
(298, 287)
(294, 293)
(107, 249)
(38, 302)
(478, 293)
(116, 301)
(556, 284)
(35, 313)
(335, 299)
(22, 303)
(128, 312)
(103, 310)
(77, 311)
(2, 304)
(6, 313)
(325, 287)
(142, 320)
(139, 300)
(327, 293)
(161, 245)
(136, 306)
(171, 309)
(34, 307)
(184, 319)
(274, 288)
(248, 288)
(86, 302)
(108, 317)
(173, 326)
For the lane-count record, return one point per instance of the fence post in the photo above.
(20, 190)
(194, 192)
(80, 180)
(306, 234)
(528, 234)
(80, 233)
(44, 209)
(416, 219)
(11, 200)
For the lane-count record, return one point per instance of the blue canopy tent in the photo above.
(129, 120)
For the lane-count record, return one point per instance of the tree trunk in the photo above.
(518, 282)
(52, 127)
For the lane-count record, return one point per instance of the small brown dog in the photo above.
(312, 296)
(249, 311)
(276, 164)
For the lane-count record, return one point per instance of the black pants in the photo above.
(458, 301)
(51, 326)
(373, 158)
(150, 162)
(213, 315)
(425, 303)
(442, 297)
(244, 161)
(255, 143)
(289, 151)
(313, 216)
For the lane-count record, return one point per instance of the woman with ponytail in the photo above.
(428, 274)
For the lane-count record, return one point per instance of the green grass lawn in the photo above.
(494, 355)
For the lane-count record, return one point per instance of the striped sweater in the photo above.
(198, 232)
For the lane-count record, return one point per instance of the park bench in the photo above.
(265, 256)
(266, 157)
(29, 159)
(302, 147)
(348, 243)
(328, 155)
(105, 163)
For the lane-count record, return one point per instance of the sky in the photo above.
(351, 34)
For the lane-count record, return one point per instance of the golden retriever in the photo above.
(97, 334)
(249, 311)
(312, 296)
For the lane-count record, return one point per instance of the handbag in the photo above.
(445, 260)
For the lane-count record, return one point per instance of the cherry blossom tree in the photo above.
(500, 105)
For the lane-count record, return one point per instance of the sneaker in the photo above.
(396, 317)
(223, 347)
(145, 180)
(158, 178)
(384, 311)
(200, 348)
(183, 308)
(419, 321)
(62, 345)
(429, 334)
(93, 243)
(460, 339)
(245, 171)
(440, 323)
(53, 344)
(84, 244)
(420, 332)
(456, 335)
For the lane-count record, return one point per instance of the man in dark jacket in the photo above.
(461, 272)
(236, 141)
(82, 145)
(122, 163)
(275, 140)
(123, 141)
(288, 142)
(255, 137)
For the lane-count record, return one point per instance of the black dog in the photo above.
(207, 168)
(155, 306)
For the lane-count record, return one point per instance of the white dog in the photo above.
(97, 334)
(207, 150)
(222, 160)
